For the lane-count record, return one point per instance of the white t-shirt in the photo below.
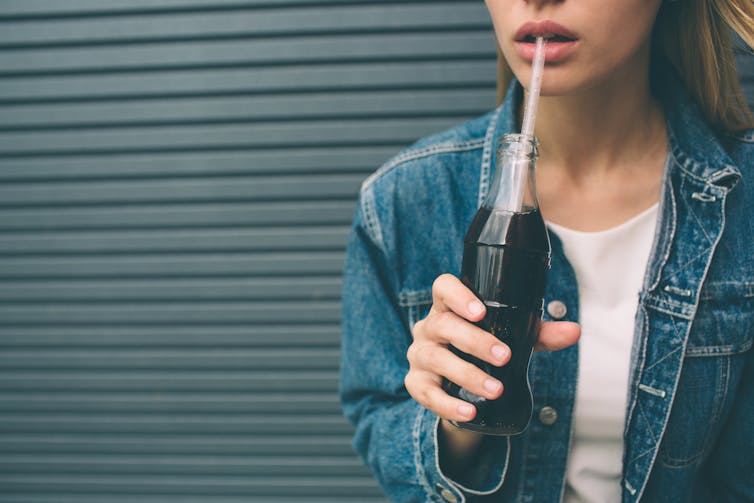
(609, 267)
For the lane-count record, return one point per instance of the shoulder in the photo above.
(423, 155)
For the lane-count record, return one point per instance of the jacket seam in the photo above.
(371, 220)
(417, 453)
(461, 486)
(721, 350)
(438, 148)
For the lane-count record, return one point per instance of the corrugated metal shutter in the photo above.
(177, 179)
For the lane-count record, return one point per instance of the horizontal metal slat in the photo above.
(270, 403)
(322, 466)
(171, 215)
(161, 484)
(320, 19)
(250, 108)
(166, 266)
(177, 241)
(277, 334)
(277, 80)
(123, 7)
(169, 313)
(229, 359)
(164, 379)
(107, 290)
(248, 52)
(195, 444)
(174, 164)
(290, 188)
(99, 497)
(219, 136)
(134, 423)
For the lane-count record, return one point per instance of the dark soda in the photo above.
(505, 261)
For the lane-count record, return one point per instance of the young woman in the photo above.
(644, 176)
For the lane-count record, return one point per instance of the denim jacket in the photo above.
(689, 430)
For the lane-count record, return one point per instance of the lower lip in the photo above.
(554, 51)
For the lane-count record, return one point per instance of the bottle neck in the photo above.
(512, 188)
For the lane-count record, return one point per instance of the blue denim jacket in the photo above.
(689, 431)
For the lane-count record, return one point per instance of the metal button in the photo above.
(447, 495)
(548, 416)
(557, 309)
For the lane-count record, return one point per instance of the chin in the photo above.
(557, 81)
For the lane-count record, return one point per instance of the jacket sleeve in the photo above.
(732, 463)
(396, 437)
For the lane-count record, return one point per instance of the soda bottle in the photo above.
(505, 260)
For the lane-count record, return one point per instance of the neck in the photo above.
(606, 127)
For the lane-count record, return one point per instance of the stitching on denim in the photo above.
(669, 312)
(725, 350)
(649, 424)
(746, 136)
(668, 355)
(688, 263)
(437, 148)
(684, 162)
(676, 332)
(641, 359)
(666, 183)
(489, 141)
(415, 298)
(698, 221)
(746, 286)
(643, 453)
(461, 486)
(371, 220)
(417, 452)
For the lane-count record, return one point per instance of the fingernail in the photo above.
(492, 385)
(465, 410)
(499, 352)
(475, 307)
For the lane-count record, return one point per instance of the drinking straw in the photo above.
(535, 85)
(518, 175)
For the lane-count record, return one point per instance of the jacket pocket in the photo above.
(416, 304)
(721, 334)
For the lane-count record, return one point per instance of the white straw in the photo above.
(537, 68)
(519, 173)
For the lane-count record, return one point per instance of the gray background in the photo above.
(177, 179)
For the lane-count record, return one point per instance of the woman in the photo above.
(645, 179)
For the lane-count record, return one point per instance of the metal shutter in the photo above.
(177, 180)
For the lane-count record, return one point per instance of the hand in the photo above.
(454, 307)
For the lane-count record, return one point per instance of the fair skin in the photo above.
(602, 149)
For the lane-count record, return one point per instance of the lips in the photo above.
(561, 42)
(551, 30)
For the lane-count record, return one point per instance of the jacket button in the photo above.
(447, 495)
(557, 309)
(548, 416)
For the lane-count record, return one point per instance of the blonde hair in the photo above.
(693, 35)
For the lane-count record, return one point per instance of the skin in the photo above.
(598, 172)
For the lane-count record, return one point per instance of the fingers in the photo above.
(440, 361)
(557, 335)
(425, 388)
(449, 328)
(449, 294)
